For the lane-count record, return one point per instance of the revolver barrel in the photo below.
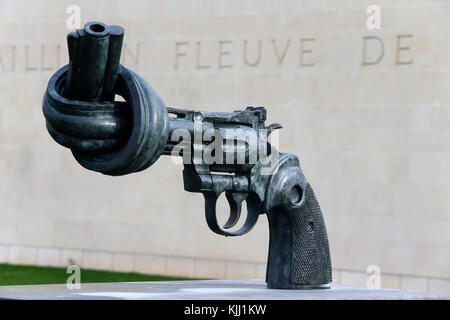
(94, 54)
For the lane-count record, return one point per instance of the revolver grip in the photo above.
(299, 255)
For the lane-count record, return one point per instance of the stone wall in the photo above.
(366, 111)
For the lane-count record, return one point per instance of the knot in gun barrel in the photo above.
(108, 136)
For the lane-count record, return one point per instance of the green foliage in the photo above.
(26, 275)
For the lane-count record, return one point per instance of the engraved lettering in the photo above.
(403, 48)
(58, 54)
(380, 54)
(43, 66)
(27, 60)
(280, 58)
(179, 53)
(128, 53)
(3, 64)
(257, 60)
(199, 65)
(305, 51)
(223, 53)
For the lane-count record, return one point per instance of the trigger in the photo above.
(235, 201)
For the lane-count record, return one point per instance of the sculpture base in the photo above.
(204, 290)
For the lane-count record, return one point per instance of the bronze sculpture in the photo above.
(122, 137)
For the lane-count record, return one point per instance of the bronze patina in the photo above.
(122, 137)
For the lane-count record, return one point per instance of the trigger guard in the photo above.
(253, 208)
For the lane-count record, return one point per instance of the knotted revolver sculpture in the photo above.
(122, 136)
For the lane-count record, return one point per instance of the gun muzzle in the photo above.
(111, 137)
